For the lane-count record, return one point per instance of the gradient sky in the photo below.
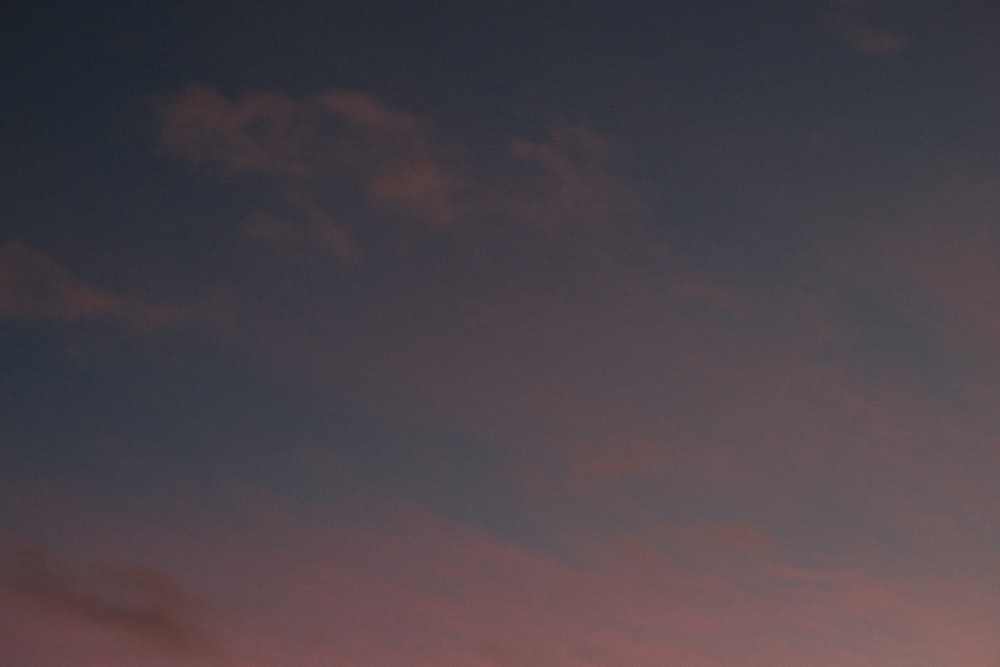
(552, 334)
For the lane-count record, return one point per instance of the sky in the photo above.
(549, 334)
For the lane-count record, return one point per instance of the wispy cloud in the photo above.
(570, 180)
(34, 286)
(342, 141)
(852, 21)
(401, 586)
(588, 465)
(141, 603)
(343, 161)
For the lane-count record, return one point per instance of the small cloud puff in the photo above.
(851, 21)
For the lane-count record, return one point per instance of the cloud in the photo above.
(342, 162)
(341, 140)
(851, 21)
(781, 468)
(952, 247)
(142, 603)
(298, 240)
(379, 581)
(588, 465)
(34, 286)
(262, 132)
(570, 180)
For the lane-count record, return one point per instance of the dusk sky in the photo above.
(454, 334)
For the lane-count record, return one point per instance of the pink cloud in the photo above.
(851, 21)
(34, 286)
(381, 162)
(573, 182)
(262, 132)
(606, 395)
(298, 241)
(607, 392)
(317, 142)
(936, 253)
(143, 604)
(588, 464)
(635, 395)
(952, 248)
(368, 114)
(399, 586)
(417, 185)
